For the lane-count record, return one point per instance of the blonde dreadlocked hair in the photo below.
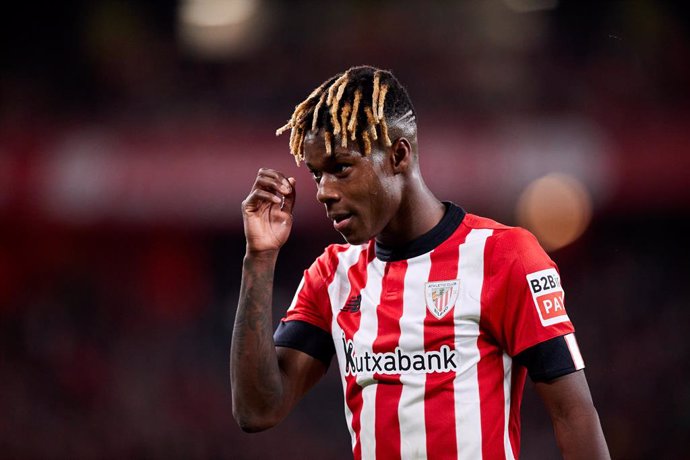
(354, 106)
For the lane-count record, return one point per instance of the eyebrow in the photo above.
(335, 157)
(343, 155)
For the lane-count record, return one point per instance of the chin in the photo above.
(355, 240)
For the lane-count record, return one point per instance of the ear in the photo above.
(401, 155)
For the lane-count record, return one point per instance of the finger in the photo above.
(270, 173)
(272, 180)
(291, 197)
(270, 184)
(258, 197)
(277, 176)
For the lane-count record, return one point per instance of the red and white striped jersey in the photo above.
(425, 336)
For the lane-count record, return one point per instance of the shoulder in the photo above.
(502, 234)
(509, 244)
(476, 222)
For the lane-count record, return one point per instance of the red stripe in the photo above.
(388, 388)
(491, 397)
(439, 401)
(349, 322)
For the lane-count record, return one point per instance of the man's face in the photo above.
(361, 194)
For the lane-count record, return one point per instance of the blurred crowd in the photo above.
(114, 330)
(114, 345)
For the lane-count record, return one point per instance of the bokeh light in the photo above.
(219, 28)
(557, 208)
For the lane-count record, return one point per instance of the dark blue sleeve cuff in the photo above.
(547, 360)
(307, 338)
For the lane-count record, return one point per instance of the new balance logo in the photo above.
(353, 304)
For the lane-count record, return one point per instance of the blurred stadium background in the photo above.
(131, 131)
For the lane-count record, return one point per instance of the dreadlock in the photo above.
(357, 106)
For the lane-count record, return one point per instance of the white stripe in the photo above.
(338, 291)
(468, 429)
(574, 351)
(364, 342)
(411, 406)
(507, 397)
(294, 299)
(339, 288)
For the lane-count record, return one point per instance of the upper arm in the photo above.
(575, 420)
(300, 372)
(565, 395)
(304, 352)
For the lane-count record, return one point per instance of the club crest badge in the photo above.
(441, 296)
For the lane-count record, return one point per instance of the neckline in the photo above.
(447, 225)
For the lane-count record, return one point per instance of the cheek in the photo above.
(375, 191)
(383, 199)
(379, 184)
(380, 192)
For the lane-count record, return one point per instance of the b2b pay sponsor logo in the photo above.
(547, 293)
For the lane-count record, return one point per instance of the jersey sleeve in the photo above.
(552, 359)
(526, 300)
(306, 323)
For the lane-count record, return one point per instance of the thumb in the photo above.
(290, 197)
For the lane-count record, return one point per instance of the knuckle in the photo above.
(266, 172)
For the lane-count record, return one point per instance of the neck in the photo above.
(419, 212)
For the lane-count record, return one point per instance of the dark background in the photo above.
(131, 131)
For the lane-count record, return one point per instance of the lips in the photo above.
(340, 220)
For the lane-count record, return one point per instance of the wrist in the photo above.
(269, 256)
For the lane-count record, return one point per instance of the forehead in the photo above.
(315, 152)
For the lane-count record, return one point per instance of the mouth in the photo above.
(341, 220)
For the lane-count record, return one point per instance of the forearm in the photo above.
(579, 435)
(257, 388)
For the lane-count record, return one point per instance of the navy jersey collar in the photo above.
(449, 223)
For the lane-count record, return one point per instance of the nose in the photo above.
(326, 189)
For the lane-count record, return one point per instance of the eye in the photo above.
(316, 175)
(341, 169)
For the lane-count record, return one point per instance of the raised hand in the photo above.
(267, 211)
